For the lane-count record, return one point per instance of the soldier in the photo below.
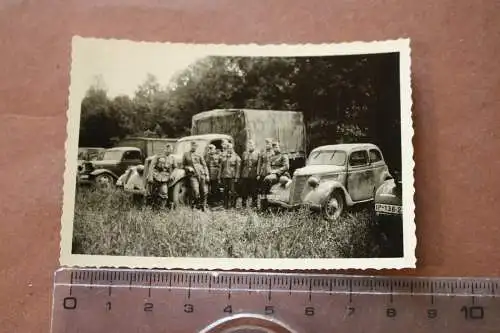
(279, 167)
(263, 166)
(161, 176)
(197, 172)
(248, 184)
(168, 164)
(229, 174)
(213, 161)
(224, 146)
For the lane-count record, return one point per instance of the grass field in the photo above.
(107, 223)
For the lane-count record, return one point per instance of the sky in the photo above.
(124, 66)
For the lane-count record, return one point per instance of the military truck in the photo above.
(234, 125)
(244, 124)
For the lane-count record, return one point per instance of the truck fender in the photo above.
(98, 172)
(177, 175)
(320, 194)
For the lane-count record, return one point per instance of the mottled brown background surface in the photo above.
(456, 66)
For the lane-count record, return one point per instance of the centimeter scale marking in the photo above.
(95, 300)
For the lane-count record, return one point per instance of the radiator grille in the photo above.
(297, 188)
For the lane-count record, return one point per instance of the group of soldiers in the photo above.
(222, 175)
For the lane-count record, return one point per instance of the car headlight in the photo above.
(313, 181)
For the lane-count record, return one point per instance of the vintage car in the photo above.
(134, 180)
(113, 163)
(89, 154)
(389, 216)
(335, 177)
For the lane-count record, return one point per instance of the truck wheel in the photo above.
(180, 194)
(334, 206)
(104, 181)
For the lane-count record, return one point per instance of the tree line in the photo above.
(343, 99)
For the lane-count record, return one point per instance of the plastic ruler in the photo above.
(140, 301)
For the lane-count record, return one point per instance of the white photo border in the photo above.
(77, 92)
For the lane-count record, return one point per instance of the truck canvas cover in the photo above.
(243, 124)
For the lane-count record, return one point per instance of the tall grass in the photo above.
(108, 223)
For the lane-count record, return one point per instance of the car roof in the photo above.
(205, 137)
(124, 148)
(347, 146)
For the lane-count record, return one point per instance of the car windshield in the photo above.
(185, 146)
(112, 155)
(327, 157)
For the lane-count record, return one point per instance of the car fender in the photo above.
(320, 194)
(99, 172)
(384, 176)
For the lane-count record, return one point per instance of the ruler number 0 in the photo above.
(473, 312)
(69, 303)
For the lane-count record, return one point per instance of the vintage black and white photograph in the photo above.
(201, 156)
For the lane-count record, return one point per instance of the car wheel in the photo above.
(104, 181)
(180, 194)
(334, 206)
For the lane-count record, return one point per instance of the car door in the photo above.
(359, 176)
(378, 166)
(129, 158)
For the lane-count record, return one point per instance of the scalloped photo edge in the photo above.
(93, 55)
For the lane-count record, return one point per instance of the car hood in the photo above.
(318, 170)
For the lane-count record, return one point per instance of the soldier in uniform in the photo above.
(161, 169)
(224, 146)
(167, 156)
(263, 166)
(213, 161)
(229, 174)
(161, 176)
(248, 184)
(279, 166)
(197, 172)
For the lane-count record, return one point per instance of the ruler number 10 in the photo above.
(473, 312)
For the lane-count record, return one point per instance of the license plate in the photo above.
(388, 209)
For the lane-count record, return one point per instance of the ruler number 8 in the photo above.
(188, 308)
